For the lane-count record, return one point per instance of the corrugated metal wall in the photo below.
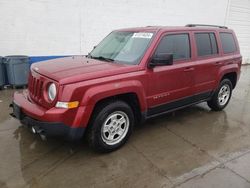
(238, 18)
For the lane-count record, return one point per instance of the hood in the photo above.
(79, 68)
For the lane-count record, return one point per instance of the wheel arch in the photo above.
(130, 92)
(232, 76)
(130, 98)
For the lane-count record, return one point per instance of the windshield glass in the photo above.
(122, 47)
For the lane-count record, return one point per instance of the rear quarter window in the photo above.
(228, 43)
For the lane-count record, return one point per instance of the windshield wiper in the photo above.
(102, 58)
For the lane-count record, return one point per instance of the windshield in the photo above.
(122, 47)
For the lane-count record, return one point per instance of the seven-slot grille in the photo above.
(35, 87)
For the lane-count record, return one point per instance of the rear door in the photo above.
(207, 62)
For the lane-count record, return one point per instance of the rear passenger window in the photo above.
(228, 44)
(206, 44)
(176, 44)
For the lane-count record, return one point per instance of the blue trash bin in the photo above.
(2, 76)
(17, 68)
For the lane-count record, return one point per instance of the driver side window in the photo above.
(176, 44)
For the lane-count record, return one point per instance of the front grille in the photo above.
(35, 87)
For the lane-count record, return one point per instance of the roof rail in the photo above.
(153, 26)
(204, 25)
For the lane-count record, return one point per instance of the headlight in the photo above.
(52, 92)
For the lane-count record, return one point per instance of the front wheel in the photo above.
(221, 96)
(111, 126)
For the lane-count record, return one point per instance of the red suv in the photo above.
(132, 75)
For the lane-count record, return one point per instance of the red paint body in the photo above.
(89, 81)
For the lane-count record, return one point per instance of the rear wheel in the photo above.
(111, 125)
(222, 96)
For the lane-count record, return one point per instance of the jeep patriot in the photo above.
(131, 75)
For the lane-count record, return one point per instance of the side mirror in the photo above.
(161, 59)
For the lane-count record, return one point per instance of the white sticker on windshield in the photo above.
(142, 35)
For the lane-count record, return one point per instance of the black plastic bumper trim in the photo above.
(54, 129)
(49, 129)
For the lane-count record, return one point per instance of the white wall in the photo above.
(65, 27)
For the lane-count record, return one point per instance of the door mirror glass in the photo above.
(161, 59)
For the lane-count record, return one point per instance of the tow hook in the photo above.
(43, 137)
(40, 132)
(33, 130)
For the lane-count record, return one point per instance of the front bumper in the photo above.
(43, 127)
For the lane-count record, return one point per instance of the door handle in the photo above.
(229, 63)
(188, 69)
(218, 63)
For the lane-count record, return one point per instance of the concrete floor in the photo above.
(193, 147)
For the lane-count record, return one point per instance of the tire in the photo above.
(217, 103)
(110, 127)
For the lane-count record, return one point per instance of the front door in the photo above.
(171, 85)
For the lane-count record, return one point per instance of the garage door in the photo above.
(238, 18)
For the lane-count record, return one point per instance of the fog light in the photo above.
(67, 105)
